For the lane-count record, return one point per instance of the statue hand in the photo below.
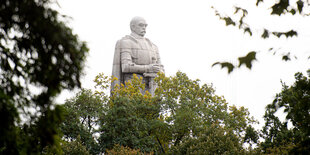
(154, 68)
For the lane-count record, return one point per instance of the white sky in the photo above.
(190, 39)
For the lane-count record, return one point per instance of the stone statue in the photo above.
(135, 54)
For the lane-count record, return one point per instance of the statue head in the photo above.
(138, 26)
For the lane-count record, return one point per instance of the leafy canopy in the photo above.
(295, 102)
(82, 114)
(181, 113)
(39, 57)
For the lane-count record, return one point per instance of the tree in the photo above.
(82, 114)
(212, 140)
(295, 102)
(130, 118)
(238, 18)
(180, 114)
(192, 112)
(39, 56)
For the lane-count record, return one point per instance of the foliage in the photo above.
(239, 17)
(75, 147)
(191, 111)
(212, 140)
(82, 114)
(39, 56)
(121, 150)
(33, 138)
(295, 101)
(180, 114)
(129, 118)
(246, 60)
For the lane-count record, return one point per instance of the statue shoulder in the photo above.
(151, 43)
(126, 42)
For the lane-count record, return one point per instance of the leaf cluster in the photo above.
(180, 113)
(82, 114)
(130, 118)
(246, 60)
(294, 101)
(281, 7)
(39, 56)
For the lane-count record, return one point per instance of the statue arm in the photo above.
(128, 66)
(159, 60)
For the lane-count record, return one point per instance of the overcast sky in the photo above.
(190, 39)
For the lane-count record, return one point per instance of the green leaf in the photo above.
(287, 34)
(248, 59)
(228, 65)
(300, 5)
(270, 49)
(286, 57)
(265, 34)
(278, 34)
(258, 1)
(237, 9)
(229, 21)
(248, 30)
(293, 11)
(290, 33)
(279, 8)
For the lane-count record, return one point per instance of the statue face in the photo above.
(140, 27)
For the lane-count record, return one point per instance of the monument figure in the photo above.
(135, 54)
